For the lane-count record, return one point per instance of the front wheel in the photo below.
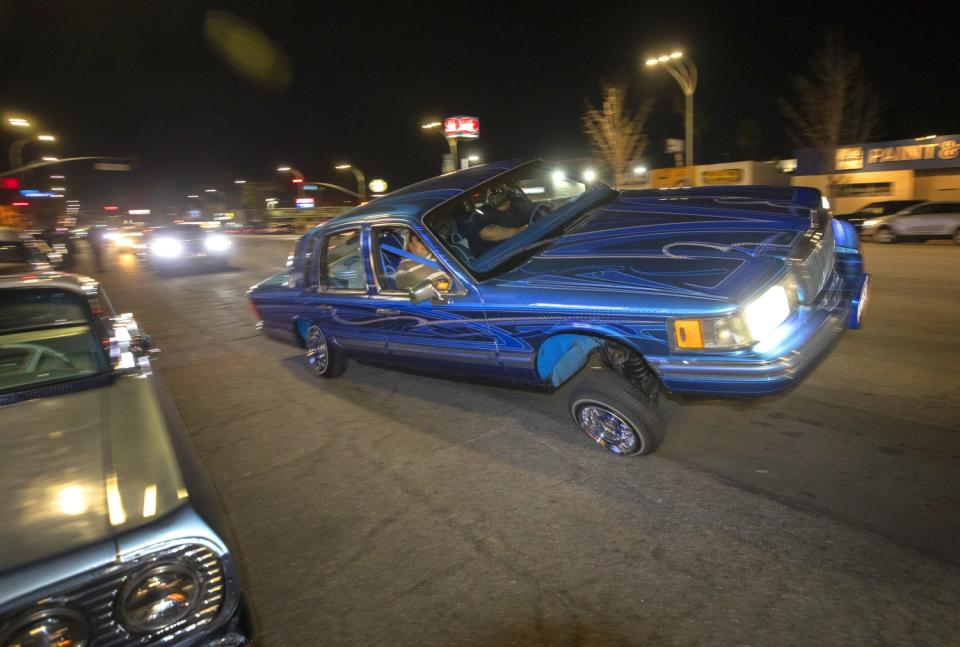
(325, 360)
(885, 235)
(616, 415)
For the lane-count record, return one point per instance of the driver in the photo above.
(502, 217)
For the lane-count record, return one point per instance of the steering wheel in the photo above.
(538, 211)
(38, 354)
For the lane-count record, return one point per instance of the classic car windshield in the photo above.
(506, 216)
(46, 335)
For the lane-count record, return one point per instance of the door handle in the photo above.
(387, 312)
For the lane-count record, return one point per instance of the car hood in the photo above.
(683, 252)
(80, 468)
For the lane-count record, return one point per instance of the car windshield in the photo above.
(46, 335)
(511, 215)
(180, 231)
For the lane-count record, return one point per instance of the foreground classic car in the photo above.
(111, 532)
(516, 273)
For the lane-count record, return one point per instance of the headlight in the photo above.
(159, 597)
(758, 319)
(216, 243)
(767, 312)
(871, 222)
(167, 247)
(50, 627)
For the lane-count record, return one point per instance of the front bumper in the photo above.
(775, 363)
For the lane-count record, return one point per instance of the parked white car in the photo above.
(918, 222)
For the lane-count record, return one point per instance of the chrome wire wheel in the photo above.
(318, 354)
(608, 428)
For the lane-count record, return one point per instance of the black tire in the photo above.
(325, 359)
(616, 415)
(885, 235)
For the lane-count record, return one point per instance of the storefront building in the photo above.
(925, 168)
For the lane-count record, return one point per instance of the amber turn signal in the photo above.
(688, 333)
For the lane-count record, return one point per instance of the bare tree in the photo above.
(834, 105)
(616, 133)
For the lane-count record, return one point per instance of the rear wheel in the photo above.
(885, 235)
(324, 359)
(616, 415)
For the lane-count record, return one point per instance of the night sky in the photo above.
(138, 78)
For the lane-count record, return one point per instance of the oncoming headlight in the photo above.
(159, 597)
(166, 247)
(758, 319)
(216, 243)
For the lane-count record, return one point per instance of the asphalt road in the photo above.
(385, 508)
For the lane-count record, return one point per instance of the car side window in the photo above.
(926, 209)
(403, 261)
(342, 265)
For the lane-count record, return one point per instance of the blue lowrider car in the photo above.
(514, 272)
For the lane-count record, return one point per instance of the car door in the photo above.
(918, 221)
(947, 220)
(449, 335)
(339, 298)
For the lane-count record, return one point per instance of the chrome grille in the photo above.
(96, 599)
(815, 268)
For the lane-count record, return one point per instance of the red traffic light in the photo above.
(297, 180)
(11, 183)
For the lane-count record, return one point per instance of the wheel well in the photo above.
(561, 356)
(300, 327)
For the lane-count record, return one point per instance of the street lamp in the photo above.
(360, 177)
(18, 122)
(684, 72)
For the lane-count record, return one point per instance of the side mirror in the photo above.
(424, 291)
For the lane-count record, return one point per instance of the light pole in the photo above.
(16, 148)
(684, 71)
(297, 176)
(436, 126)
(360, 177)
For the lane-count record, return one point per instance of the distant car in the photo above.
(514, 273)
(20, 252)
(875, 210)
(918, 222)
(111, 531)
(127, 238)
(177, 246)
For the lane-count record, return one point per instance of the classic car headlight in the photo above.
(755, 321)
(767, 312)
(216, 243)
(159, 597)
(50, 627)
(167, 247)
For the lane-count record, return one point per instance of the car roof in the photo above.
(416, 199)
(52, 280)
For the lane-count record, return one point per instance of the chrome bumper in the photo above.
(773, 364)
